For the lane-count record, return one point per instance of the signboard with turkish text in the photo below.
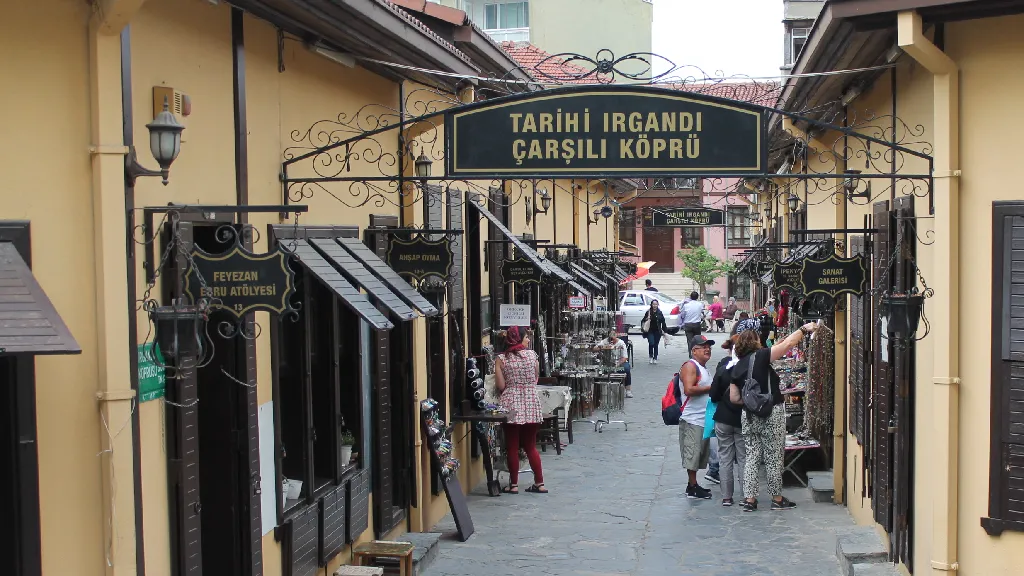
(513, 315)
(420, 258)
(682, 217)
(240, 282)
(519, 271)
(152, 378)
(577, 302)
(605, 130)
(787, 275)
(833, 276)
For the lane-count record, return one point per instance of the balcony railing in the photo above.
(509, 34)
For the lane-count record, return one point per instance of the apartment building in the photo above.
(798, 18)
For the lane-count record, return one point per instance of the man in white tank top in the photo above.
(694, 449)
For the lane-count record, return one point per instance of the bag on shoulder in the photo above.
(645, 326)
(755, 401)
(671, 403)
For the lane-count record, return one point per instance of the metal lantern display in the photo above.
(902, 311)
(179, 331)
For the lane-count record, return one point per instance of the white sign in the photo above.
(269, 488)
(514, 315)
(577, 301)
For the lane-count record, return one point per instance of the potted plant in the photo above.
(347, 441)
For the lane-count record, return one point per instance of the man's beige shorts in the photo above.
(693, 448)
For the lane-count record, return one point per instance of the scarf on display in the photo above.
(513, 340)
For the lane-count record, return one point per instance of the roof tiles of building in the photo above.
(545, 67)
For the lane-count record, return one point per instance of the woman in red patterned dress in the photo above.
(516, 373)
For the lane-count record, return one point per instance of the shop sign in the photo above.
(577, 301)
(420, 258)
(152, 378)
(519, 271)
(762, 268)
(606, 130)
(787, 275)
(833, 276)
(514, 315)
(683, 217)
(240, 282)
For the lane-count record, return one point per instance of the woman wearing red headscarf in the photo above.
(516, 373)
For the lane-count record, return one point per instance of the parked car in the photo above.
(635, 303)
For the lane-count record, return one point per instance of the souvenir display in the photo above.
(439, 439)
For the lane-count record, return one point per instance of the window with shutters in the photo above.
(1006, 457)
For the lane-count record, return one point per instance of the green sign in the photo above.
(152, 379)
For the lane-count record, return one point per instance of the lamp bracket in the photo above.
(132, 169)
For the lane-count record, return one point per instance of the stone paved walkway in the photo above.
(617, 507)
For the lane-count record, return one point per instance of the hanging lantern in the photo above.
(178, 331)
(902, 311)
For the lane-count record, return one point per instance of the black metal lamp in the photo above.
(423, 166)
(853, 183)
(545, 201)
(164, 143)
(902, 311)
(768, 211)
(597, 216)
(794, 202)
(178, 330)
(755, 215)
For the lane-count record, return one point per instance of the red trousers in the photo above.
(524, 435)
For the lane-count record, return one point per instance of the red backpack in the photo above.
(672, 402)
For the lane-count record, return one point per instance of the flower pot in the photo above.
(346, 454)
(903, 312)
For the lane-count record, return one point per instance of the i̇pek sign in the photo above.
(605, 130)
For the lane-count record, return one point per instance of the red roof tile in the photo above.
(410, 19)
(544, 67)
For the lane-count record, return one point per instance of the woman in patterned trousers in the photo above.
(765, 438)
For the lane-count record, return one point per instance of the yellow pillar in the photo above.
(115, 397)
(945, 319)
(838, 427)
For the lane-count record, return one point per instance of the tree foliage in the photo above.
(703, 267)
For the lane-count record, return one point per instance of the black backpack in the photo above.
(755, 401)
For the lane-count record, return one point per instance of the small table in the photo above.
(792, 455)
(383, 549)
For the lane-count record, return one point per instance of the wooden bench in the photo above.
(370, 551)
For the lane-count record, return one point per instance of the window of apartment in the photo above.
(501, 15)
(739, 288)
(675, 183)
(691, 236)
(738, 225)
(627, 225)
(798, 37)
(317, 406)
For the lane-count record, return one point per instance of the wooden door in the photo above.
(881, 398)
(658, 246)
(903, 391)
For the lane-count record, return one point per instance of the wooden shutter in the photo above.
(1006, 459)
(333, 523)
(250, 448)
(903, 391)
(357, 505)
(881, 399)
(495, 254)
(183, 453)
(858, 357)
(302, 544)
(456, 306)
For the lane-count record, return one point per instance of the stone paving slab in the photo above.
(617, 507)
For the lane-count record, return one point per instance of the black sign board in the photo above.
(420, 258)
(241, 282)
(682, 217)
(787, 275)
(519, 271)
(762, 268)
(605, 131)
(833, 276)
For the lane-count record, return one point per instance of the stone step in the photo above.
(859, 546)
(875, 569)
(821, 486)
(423, 555)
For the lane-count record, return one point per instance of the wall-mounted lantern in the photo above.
(423, 166)
(794, 202)
(164, 143)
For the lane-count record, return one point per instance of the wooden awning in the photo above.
(319, 267)
(29, 324)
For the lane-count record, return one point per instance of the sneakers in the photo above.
(714, 479)
(655, 361)
(784, 504)
(750, 506)
(629, 394)
(697, 492)
(726, 501)
(650, 360)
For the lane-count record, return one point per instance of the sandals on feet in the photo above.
(537, 489)
(510, 489)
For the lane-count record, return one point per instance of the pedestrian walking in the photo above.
(653, 328)
(516, 374)
(694, 450)
(764, 438)
(717, 316)
(613, 342)
(728, 426)
(650, 285)
(692, 314)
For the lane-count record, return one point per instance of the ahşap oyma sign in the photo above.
(605, 130)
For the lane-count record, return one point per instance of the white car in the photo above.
(635, 303)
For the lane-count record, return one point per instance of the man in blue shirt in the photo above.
(690, 318)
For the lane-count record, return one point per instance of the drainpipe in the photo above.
(945, 318)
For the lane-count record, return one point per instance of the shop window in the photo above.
(739, 287)
(627, 226)
(738, 225)
(317, 406)
(691, 237)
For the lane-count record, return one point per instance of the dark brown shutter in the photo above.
(456, 306)
(333, 520)
(384, 478)
(252, 512)
(183, 455)
(358, 506)
(1006, 460)
(302, 544)
(495, 254)
(858, 357)
(881, 399)
(903, 390)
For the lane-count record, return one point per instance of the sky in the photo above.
(731, 36)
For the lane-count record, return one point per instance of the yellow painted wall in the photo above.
(44, 155)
